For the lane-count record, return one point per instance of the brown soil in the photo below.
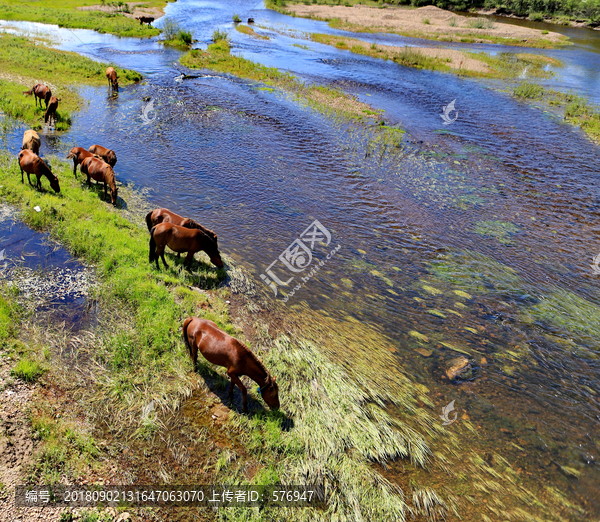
(410, 22)
(133, 7)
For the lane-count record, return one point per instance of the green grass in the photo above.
(577, 109)
(25, 62)
(528, 90)
(66, 450)
(64, 13)
(29, 370)
(246, 29)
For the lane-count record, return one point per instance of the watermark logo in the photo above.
(298, 257)
(596, 265)
(148, 112)
(446, 410)
(446, 114)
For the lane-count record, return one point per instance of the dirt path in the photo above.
(426, 22)
(136, 9)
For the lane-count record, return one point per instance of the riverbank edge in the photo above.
(25, 63)
(65, 14)
(281, 6)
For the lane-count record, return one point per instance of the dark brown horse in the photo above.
(51, 109)
(111, 76)
(78, 154)
(101, 172)
(31, 141)
(106, 154)
(40, 91)
(221, 349)
(181, 239)
(33, 164)
(145, 19)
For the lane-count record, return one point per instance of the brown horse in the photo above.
(164, 215)
(40, 91)
(181, 239)
(113, 81)
(33, 164)
(31, 141)
(221, 349)
(106, 154)
(101, 172)
(51, 109)
(78, 154)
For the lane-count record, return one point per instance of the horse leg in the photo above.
(75, 168)
(105, 192)
(39, 181)
(160, 251)
(188, 259)
(28, 178)
(236, 380)
(89, 181)
(22, 180)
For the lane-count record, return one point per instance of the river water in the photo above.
(472, 238)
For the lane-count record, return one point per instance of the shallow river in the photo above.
(475, 237)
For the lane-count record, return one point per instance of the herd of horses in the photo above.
(166, 229)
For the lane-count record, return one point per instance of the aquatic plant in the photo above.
(236, 18)
(501, 230)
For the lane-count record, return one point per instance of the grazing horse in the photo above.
(101, 172)
(164, 215)
(145, 19)
(106, 154)
(51, 109)
(78, 154)
(113, 81)
(33, 164)
(40, 91)
(223, 350)
(31, 141)
(180, 239)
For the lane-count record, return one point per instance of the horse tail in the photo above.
(149, 221)
(30, 91)
(185, 337)
(152, 246)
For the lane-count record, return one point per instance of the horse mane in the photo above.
(111, 177)
(258, 361)
(194, 224)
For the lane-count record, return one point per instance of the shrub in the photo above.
(170, 29)
(236, 19)
(536, 17)
(219, 35)
(453, 22)
(426, 21)
(185, 37)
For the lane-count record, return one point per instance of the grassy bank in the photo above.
(577, 110)
(26, 62)
(65, 13)
(136, 355)
(328, 100)
(505, 65)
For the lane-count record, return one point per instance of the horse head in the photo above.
(270, 393)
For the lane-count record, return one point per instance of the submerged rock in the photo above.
(457, 368)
